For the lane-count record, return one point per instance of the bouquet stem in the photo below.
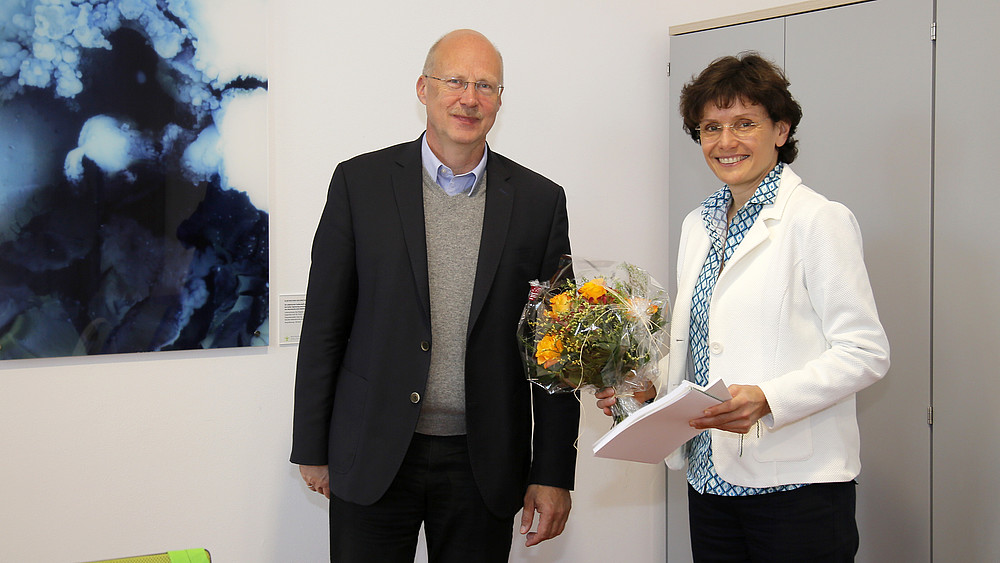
(624, 406)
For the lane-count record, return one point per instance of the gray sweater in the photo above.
(454, 226)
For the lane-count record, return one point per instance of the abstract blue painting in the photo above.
(133, 176)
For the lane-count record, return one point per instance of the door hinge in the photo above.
(930, 416)
(668, 70)
(933, 31)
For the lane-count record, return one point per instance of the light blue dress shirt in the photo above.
(445, 177)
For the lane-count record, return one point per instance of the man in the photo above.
(411, 404)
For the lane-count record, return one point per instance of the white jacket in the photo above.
(793, 313)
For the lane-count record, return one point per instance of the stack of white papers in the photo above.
(651, 433)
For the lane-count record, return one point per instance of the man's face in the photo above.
(458, 120)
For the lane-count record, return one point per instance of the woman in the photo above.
(774, 299)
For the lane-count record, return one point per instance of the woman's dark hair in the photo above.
(751, 79)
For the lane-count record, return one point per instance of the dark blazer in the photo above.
(364, 351)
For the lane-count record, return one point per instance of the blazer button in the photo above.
(414, 397)
(716, 347)
(425, 346)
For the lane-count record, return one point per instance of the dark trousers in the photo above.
(814, 523)
(435, 487)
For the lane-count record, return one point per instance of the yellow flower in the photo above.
(560, 304)
(593, 290)
(548, 351)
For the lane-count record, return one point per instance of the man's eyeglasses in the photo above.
(712, 131)
(483, 88)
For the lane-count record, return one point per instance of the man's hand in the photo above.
(738, 414)
(317, 478)
(552, 504)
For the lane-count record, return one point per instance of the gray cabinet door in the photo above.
(966, 446)
(691, 182)
(863, 76)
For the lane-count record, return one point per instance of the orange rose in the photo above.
(560, 304)
(549, 351)
(593, 290)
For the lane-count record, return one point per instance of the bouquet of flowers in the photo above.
(607, 327)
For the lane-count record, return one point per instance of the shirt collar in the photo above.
(765, 193)
(444, 177)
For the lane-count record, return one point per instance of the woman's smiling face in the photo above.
(742, 162)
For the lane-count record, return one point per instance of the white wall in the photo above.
(131, 454)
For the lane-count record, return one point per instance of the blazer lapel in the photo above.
(407, 185)
(760, 231)
(756, 235)
(496, 220)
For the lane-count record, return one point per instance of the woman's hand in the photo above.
(738, 414)
(606, 397)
